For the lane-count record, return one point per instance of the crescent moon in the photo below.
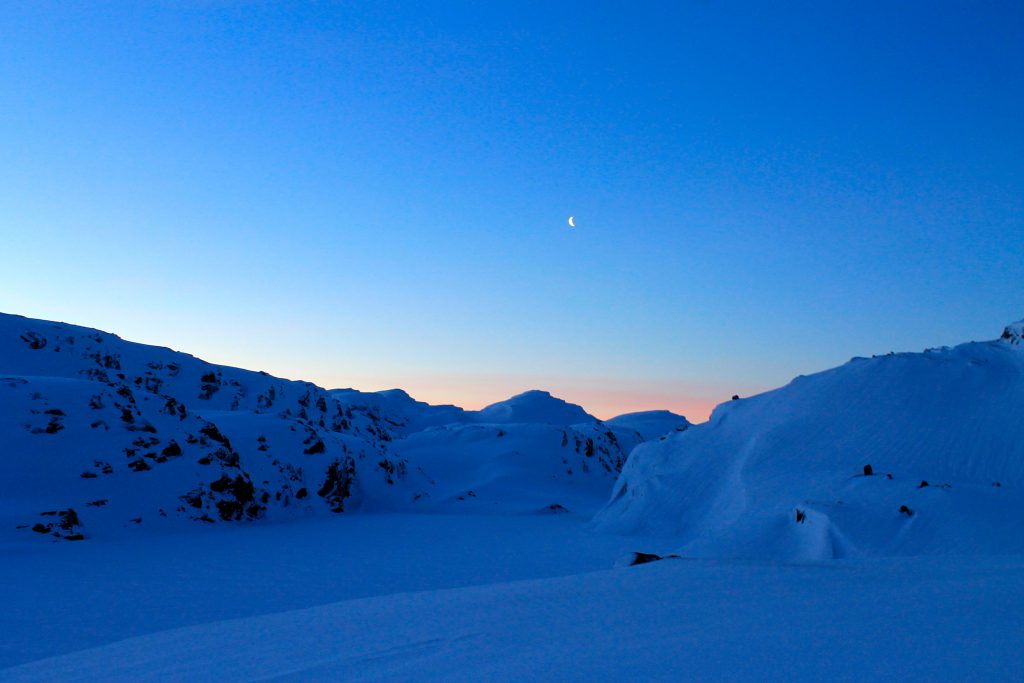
(571, 224)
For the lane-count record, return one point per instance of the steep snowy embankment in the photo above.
(782, 474)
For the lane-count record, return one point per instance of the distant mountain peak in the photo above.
(651, 424)
(535, 405)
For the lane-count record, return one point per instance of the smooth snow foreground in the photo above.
(926, 619)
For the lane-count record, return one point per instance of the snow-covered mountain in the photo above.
(651, 424)
(909, 453)
(103, 436)
(518, 467)
(531, 453)
(533, 407)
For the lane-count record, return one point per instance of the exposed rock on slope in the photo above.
(125, 435)
(1014, 334)
(101, 436)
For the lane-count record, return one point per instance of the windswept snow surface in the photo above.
(916, 620)
(57, 598)
(781, 475)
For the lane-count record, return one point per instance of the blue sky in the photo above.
(376, 195)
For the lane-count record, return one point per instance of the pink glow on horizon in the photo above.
(603, 398)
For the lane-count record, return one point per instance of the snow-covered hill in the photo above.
(531, 453)
(651, 424)
(99, 434)
(533, 407)
(103, 436)
(518, 467)
(910, 453)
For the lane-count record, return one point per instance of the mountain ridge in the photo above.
(102, 435)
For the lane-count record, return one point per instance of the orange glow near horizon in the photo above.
(603, 398)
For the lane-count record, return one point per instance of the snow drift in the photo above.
(909, 453)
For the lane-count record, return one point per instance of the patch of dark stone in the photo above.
(210, 430)
(645, 558)
(66, 526)
(239, 498)
(337, 486)
(34, 341)
(148, 428)
(393, 471)
(869, 471)
(172, 450)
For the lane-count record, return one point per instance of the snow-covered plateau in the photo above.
(162, 518)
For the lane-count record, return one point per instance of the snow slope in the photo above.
(531, 453)
(912, 620)
(518, 467)
(780, 475)
(101, 436)
(59, 598)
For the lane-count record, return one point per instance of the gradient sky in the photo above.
(376, 194)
